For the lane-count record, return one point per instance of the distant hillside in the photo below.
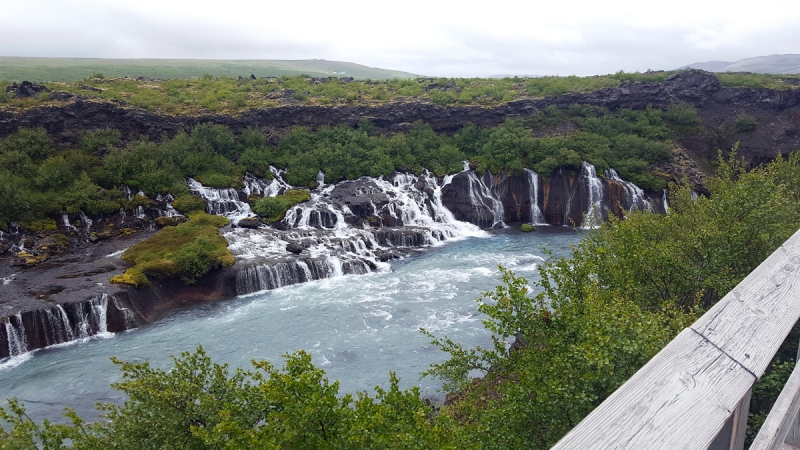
(73, 69)
(775, 64)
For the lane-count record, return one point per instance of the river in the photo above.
(357, 327)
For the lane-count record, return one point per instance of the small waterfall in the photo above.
(263, 188)
(99, 314)
(537, 218)
(86, 221)
(169, 210)
(220, 201)
(665, 201)
(320, 179)
(17, 342)
(130, 318)
(55, 325)
(634, 195)
(65, 223)
(480, 194)
(594, 214)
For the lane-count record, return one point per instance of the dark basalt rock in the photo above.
(295, 248)
(25, 89)
(778, 114)
(250, 222)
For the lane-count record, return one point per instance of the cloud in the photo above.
(434, 37)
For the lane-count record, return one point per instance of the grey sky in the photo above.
(426, 37)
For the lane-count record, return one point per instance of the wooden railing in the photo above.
(695, 393)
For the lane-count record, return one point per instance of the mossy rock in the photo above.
(169, 221)
(132, 277)
(527, 228)
(189, 203)
(136, 201)
(39, 225)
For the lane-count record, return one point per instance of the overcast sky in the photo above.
(425, 37)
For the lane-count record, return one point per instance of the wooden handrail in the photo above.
(695, 393)
(781, 426)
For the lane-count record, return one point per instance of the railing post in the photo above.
(733, 433)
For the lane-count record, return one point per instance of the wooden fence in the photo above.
(695, 393)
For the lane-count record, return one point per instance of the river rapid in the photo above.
(357, 327)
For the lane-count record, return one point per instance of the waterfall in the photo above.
(220, 201)
(537, 218)
(99, 314)
(169, 210)
(480, 194)
(263, 188)
(65, 223)
(86, 221)
(17, 342)
(634, 195)
(665, 201)
(594, 213)
(127, 314)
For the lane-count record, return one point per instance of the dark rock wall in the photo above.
(778, 114)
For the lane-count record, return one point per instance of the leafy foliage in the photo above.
(629, 287)
(201, 405)
(275, 207)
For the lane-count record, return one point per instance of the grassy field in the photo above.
(74, 69)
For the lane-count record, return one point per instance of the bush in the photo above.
(187, 251)
(745, 122)
(189, 203)
(274, 208)
(527, 228)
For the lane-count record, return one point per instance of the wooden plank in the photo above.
(751, 322)
(782, 418)
(680, 399)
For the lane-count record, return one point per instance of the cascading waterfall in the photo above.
(634, 195)
(86, 221)
(169, 210)
(220, 201)
(479, 193)
(537, 218)
(594, 215)
(65, 223)
(333, 247)
(17, 342)
(53, 325)
(127, 314)
(665, 200)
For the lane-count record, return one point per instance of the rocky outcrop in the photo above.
(777, 112)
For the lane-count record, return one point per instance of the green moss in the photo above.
(169, 221)
(39, 225)
(275, 207)
(189, 203)
(187, 251)
(133, 277)
(527, 228)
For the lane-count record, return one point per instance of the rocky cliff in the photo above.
(777, 112)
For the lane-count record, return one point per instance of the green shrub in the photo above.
(186, 204)
(186, 251)
(745, 122)
(527, 228)
(274, 208)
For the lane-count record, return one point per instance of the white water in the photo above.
(357, 327)
(537, 218)
(594, 215)
(634, 195)
(221, 201)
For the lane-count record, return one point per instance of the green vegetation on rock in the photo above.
(527, 228)
(274, 208)
(186, 251)
(38, 182)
